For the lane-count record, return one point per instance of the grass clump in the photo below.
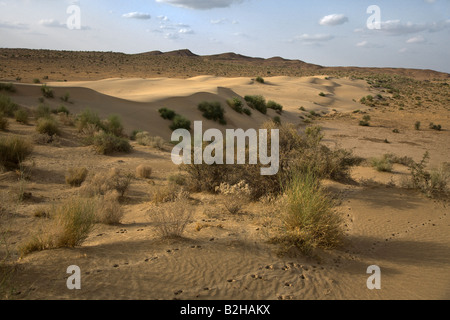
(47, 92)
(365, 121)
(437, 127)
(7, 107)
(102, 183)
(42, 111)
(167, 113)
(309, 220)
(180, 122)
(61, 109)
(86, 118)
(113, 125)
(47, 126)
(109, 210)
(13, 151)
(212, 111)
(257, 102)
(21, 116)
(4, 125)
(383, 164)
(73, 220)
(144, 138)
(76, 176)
(107, 143)
(322, 94)
(417, 125)
(144, 172)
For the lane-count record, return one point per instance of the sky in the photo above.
(375, 33)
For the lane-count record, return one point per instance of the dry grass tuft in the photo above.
(76, 176)
(144, 172)
(170, 219)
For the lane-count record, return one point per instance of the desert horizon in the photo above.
(94, 207)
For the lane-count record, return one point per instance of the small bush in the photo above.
(9, 87)
(47, 126)
(167, 113)
(212, 111)
(7, 107)
(88, 117)
(21, 116)
(275, 106)
(144, 172)
(180, 122)
(277, 120)
(322, 94)
(435, 127)
(13, 151)
(365, 122)
(235, 196)
(36, 81)
(170, 219)
(113, 125)
(76, 176)
(260, 80)
(247, 111)
(107, 143)
(236, 104)
(73, 220)
(47, 92)
(145, 139)
(61, 109)
(109, 209)
(417, 125)
(257, 102)
(42, 111)
(102, 183)
(383, 164)
(309, 220)
(177, 179)
(66, 97)
(3, 123)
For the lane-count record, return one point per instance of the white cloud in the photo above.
(201, 4)
(333, 20)
(362, 44)
(313, 38)
(13, 25)
(137, 15)
(218, 21)
(52, 23)
(396, 27)
(186, 31)
(418, 39)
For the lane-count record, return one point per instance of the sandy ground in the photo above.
(403, 232)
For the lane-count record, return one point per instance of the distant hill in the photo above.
(26, 65)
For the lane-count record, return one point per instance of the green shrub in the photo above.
(7, 87)
(47, 92)
(257, 102)
(236, 104)
(167, 113)
(322, 94)
(21, 116)
(247, 111)
(13, 151)
(108, 143)
(260, 80)
(47, 126)
(36, 81)
(113, 125)
(180, 122)
(88, 117)
(7, 107)
(365, 121)
(61, 109)
(309, 220)
(275, 106)
(212, 111)
(42, 111)
(277, 120)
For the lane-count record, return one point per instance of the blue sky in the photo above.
(413, 33)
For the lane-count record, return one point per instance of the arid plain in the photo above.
(385, 220)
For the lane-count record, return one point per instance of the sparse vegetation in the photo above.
(3, 122)
(7, 107)
(108, 143)
(66, 97)
(236, 104)
(21, 116)
(8, 87)
(47, 92)
(180, 122)
(383, 164)
(260, 80)
(145, 139)
(435, 127)
(275, 106)
(167, 113)
(257, 102)
(170, 219)
(101, 183)
(365, 121)
(76, 176)
(322, 94)
(212, 111)
(13, 151)
(47, 126)
(109, 211)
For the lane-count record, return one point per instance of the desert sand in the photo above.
(402, 231)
